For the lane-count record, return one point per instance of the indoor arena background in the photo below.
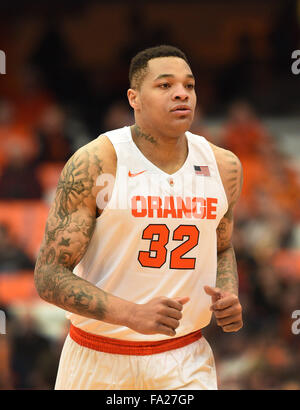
(65, 82)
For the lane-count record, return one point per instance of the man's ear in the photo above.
(133, 98)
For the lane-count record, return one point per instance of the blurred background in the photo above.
(65, 83)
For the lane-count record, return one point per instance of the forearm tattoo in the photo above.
(227, 275)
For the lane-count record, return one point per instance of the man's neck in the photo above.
(167, 153)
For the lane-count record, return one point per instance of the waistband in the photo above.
(130, 347)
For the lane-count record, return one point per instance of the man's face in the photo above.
(166, 99)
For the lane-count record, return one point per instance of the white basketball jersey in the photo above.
(156, 235)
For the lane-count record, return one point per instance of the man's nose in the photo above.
(180, 94)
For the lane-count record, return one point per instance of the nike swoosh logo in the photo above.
(134, 175)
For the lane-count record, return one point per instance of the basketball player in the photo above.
(141, 267)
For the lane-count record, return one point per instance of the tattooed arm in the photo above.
(69, 228)
(225, 300)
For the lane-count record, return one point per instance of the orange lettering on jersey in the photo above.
(211, 208)
(154, 204)
(139, 206)
(202, 209)
(157, 207)
(169, 207)
(184, 207)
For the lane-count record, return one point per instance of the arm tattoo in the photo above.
(74, 185)
(227, 275)
(58, 285)
(69, 228)
(235, 177)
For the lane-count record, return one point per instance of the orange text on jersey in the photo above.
(173, 207)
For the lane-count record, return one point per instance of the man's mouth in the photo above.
(181, 109)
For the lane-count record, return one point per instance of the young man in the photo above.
(138, 242)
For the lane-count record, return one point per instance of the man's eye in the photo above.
(190, 86)
(164, 85)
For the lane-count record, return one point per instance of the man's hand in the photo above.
(159, 315)
(227, 309)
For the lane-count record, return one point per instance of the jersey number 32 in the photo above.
(159, 235)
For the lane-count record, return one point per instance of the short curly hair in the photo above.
(139, 63)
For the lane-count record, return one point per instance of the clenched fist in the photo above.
(160, 315)
(227, 309)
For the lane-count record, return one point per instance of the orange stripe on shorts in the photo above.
(129, 347)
